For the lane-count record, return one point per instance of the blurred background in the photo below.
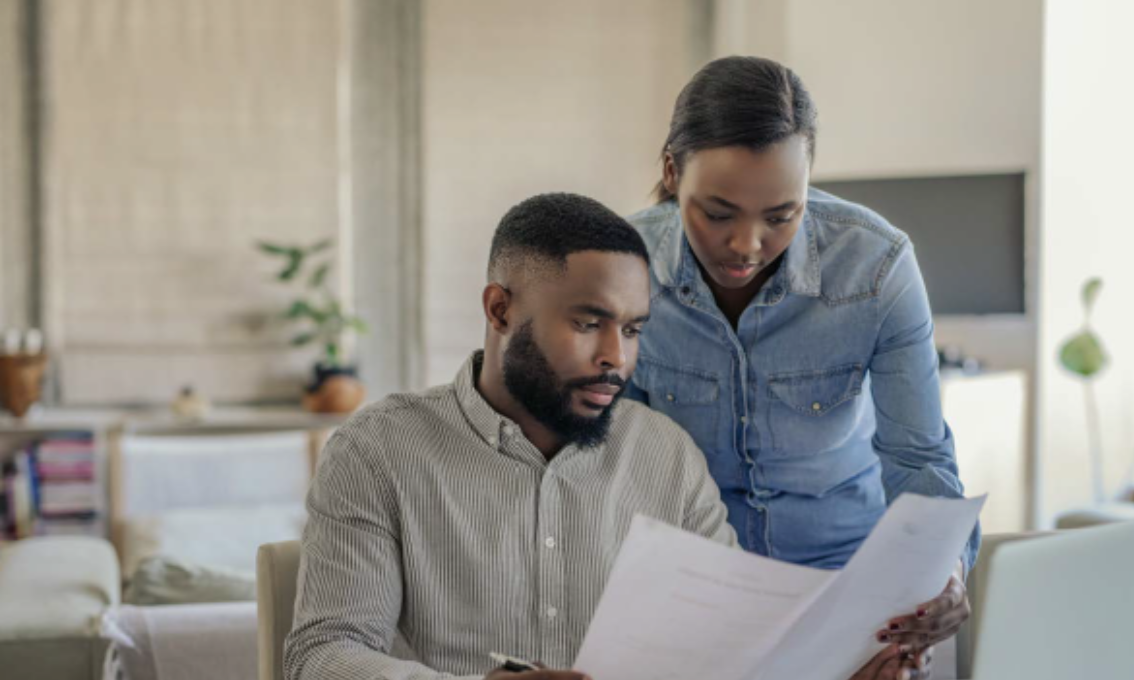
(149, 149)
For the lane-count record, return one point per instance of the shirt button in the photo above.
(549, 542)
(552, 612)
(669, 397)
(492, 441)
(744, 419)
(816, 407)
(507, 430)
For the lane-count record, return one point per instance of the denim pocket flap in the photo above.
(817, 392)
(677, 385)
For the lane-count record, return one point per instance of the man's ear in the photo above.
(670, 180)
(497, 301)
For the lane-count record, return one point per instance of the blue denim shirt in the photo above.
(823, 405)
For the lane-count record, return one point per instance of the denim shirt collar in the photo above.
(676, 267)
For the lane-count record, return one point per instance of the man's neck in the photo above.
(489, 382)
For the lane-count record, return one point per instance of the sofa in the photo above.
(53, 593)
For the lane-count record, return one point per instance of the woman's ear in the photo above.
(497, 301)
(670, 180)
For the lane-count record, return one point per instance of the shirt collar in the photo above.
(675, 266)
(484, 419)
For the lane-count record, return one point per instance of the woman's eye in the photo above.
(713, 217)
(777, 221)
(587, 325)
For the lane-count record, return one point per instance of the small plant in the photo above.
(318, 309)
(1083, 355)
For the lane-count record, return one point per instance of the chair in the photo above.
(277, 569)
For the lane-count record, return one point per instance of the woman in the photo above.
(790, 334)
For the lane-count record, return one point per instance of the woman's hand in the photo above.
(934, 621)
(897, 662)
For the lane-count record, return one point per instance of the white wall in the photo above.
(521, 98)
(1087, 231)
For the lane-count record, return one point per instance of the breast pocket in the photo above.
(690, 396)
(810, 411)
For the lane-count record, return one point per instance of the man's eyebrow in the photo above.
(594, 310)
(603, 313)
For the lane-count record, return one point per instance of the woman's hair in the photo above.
(738, 101)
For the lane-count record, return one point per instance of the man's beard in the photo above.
(532, 382)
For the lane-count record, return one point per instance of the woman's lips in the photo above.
(739, 271)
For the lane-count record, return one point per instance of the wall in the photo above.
(521, 98)
(1088, 143)
(15, 234)
(178, 134)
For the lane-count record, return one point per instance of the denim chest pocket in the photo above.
(809, 410)
(689, 396)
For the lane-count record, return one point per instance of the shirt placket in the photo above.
(550, 574)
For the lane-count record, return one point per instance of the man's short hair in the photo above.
(537, 235)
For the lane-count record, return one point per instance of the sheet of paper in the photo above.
(679, 606)
(906, 560)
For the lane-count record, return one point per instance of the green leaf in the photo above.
(298, 309)
(294, 263)
(1091, 292)
(1083, 354)
(358, 325)
(319, 275)
(273, 249)
(320, 246)
(303, 339)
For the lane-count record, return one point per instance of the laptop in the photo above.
(1060, 608)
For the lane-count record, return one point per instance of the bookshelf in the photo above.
(104, 430)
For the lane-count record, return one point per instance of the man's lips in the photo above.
(600, 395)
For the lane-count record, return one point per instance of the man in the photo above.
(485, 515)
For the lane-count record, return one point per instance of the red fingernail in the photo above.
(882, 637)
(921, 613)
(894, 626)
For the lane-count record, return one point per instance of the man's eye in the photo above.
(777, 221)
(714, 217)
(587, 325)
(632, 332)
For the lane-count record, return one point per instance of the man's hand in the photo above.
(897, 662)
(934, 621)
(541, 674)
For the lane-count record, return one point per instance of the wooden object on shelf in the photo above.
(21, 378)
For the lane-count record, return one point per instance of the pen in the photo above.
(511, 663)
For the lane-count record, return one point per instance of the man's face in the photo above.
(572, 355)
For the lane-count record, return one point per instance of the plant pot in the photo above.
(21, 377)
(336, 389)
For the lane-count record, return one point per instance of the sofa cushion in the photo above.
(54, 587)
(168, 580)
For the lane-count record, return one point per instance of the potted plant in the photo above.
(1083, 355)
(323, 320)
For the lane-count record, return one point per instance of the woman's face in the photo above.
(741, 208)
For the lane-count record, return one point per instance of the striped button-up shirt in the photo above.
(433, 519)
